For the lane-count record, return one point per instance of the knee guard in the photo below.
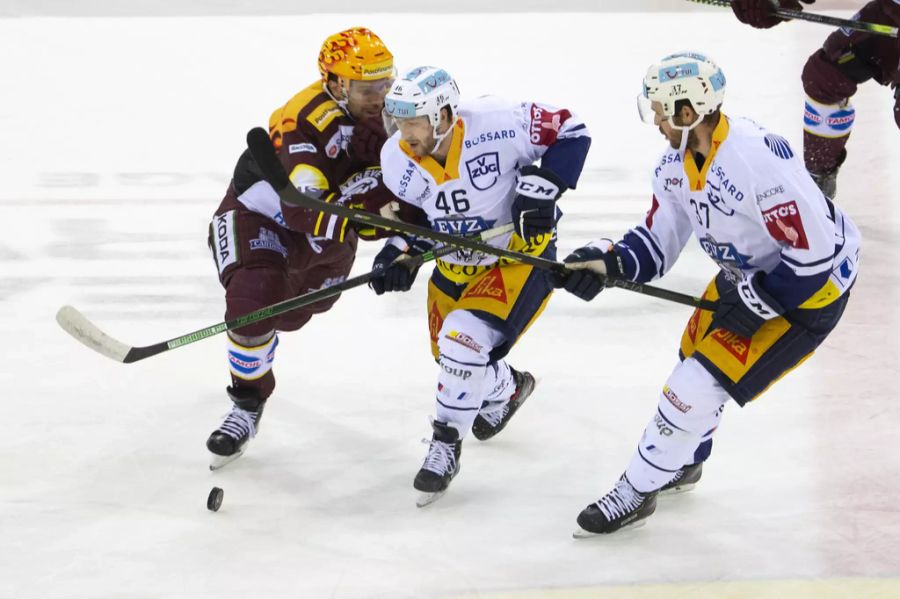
(464, 343)
(689, 410)
(248, 290)
(250, 362)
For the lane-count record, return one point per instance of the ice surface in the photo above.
(118, 138)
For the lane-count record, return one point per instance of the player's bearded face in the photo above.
(418, 134)
(671, 134)
(365, 99)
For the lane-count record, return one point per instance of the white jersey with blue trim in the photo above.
(474, 189)
(753, 207)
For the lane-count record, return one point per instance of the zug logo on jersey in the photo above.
(462, 226)
(484, 170)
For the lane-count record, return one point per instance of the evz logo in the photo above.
(484, 170)
(725, 254)
(462, 226)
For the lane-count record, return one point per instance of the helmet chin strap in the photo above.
(685, 131)
(342, 104)
(439, 137)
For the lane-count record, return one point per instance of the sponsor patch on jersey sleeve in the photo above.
(545, 124)
(785, 224)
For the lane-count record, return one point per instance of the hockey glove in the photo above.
(390, 272)
(368, 137)
(743, 309)
(534, 207)
(590, 266)
(759, 13)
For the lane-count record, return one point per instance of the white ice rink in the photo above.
(117, 139)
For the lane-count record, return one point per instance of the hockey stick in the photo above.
(266, 158)
(819, 18)
(81, 328)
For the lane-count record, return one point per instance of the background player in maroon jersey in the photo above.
(830, 79)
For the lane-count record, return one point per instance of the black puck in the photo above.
(214, 501)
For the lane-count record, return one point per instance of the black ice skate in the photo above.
(487, 424)
(441, 464)
(227, 442)
(622, 507)
(827, 180)
(684, 480)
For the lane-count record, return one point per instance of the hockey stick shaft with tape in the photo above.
(812, 17)
(266, 158)
(81, 328)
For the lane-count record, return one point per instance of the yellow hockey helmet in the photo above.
(355, 54)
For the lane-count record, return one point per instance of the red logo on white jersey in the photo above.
(545, 124)
(785, 225)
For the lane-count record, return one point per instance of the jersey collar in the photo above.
(440, 173)
(697, 177)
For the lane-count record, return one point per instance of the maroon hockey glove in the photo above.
(368, 137)
(758, 13)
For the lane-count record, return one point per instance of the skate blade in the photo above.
(428, 498)
(678, 489)
(581, 533)
(220, 461)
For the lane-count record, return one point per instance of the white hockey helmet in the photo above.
(423, 91)
(682, 76)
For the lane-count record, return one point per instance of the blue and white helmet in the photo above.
(685, 76)
(423, 91)
(682, 76)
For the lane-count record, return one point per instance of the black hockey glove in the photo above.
(534, 207)
(390, 272)
(745, 308)
(759, 13)
(367, 139)
(590, 266)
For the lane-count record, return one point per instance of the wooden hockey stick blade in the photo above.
(78, 326)
(819, 18)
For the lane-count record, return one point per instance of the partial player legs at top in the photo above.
(830, 79)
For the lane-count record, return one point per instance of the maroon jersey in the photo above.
(312, 134)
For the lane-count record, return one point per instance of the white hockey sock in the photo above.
(465, 343)
(689, 410)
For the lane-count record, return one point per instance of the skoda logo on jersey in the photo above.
(484, 170)
(462, 226)
(714, 195)
(725, 254)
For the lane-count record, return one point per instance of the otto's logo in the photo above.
(785, 225)
(737, 346)
(545, 125)
(484, 170)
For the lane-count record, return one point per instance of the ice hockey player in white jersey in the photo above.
(787, 256)
(469, 167)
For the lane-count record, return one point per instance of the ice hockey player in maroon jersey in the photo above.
(328, 137)
(830, 79)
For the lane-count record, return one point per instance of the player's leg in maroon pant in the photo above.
(261, 263)
(830, 79)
